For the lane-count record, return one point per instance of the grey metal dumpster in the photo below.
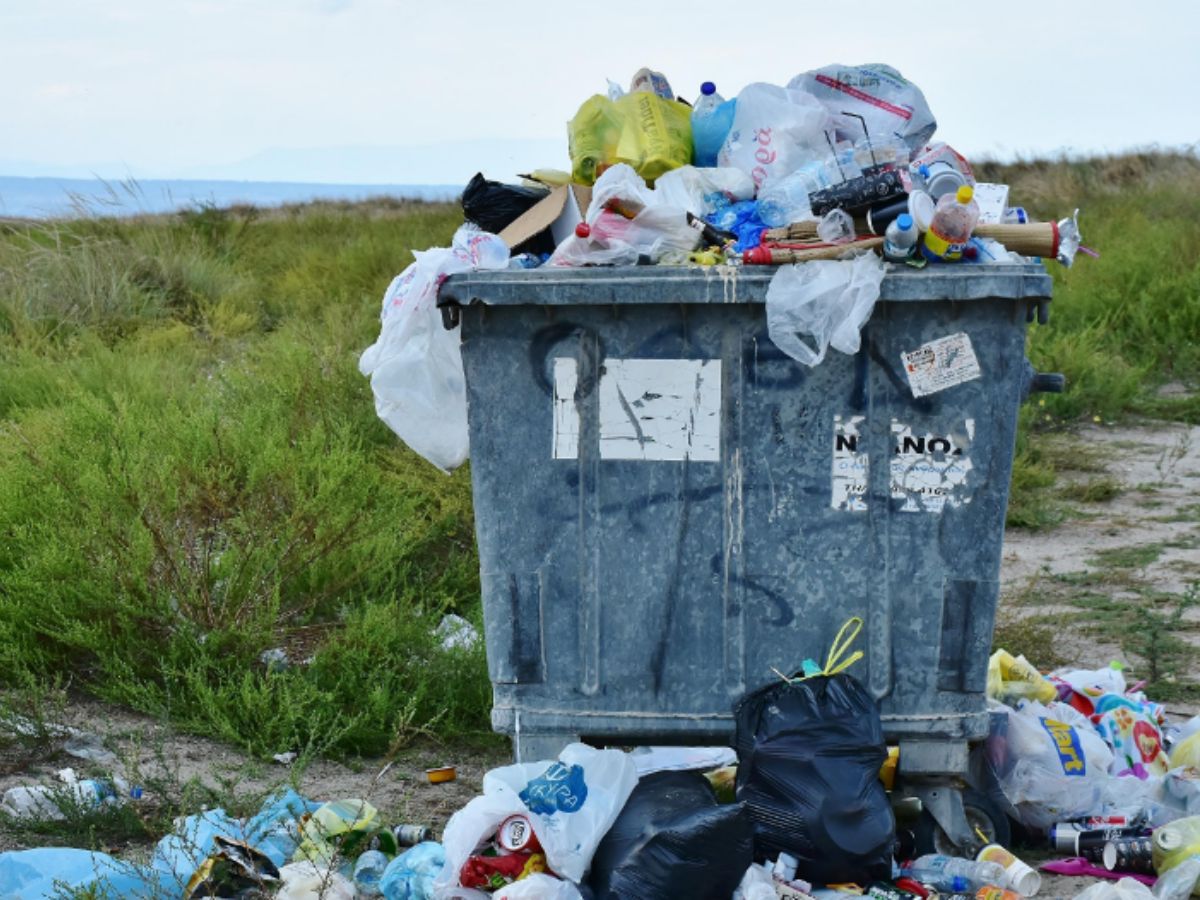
(668, 508)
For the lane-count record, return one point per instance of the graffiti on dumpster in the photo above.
(929, 471)
(648, 409)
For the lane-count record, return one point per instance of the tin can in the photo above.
(516, 834)
(1129, 855)
(1076, 840)
(857, 194)
(411, 835)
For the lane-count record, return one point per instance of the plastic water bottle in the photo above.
(786, 200)
(368, 871)
(712, 117)
(954, 875)
(900, 240)
(954, 219)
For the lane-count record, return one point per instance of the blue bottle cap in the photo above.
(708, 88)
(904, 221)
(958, 884)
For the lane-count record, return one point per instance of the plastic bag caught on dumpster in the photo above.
(1049, 770)
(415, 365)
(648, 132)
(888, 104)
(809, 757)
(775, 131)
(826, 300)
(571, 803)
(671, 840)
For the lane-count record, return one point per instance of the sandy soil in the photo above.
(1158, 469)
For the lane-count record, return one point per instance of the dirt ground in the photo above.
(1156, 476)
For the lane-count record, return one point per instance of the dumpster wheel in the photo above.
(982, 815)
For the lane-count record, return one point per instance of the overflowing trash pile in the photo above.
(1079, 766)
(837, 171)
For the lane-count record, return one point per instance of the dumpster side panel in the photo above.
(670, 511)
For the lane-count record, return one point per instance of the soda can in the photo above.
(1129, 855)
(411, 835)
(1078, 840)
(516, 834)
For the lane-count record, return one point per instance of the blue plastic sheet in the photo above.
(34, 874)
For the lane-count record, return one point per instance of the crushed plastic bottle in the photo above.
(712, 117)
(40, 802)
(953, 875)
(953, 221)
(785, 201)
(837, 227)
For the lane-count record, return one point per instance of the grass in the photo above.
(192, 472)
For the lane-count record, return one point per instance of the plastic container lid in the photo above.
(708, 88)
(920, 205)
(904, 221)
(964, 194)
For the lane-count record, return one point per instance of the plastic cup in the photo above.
(1017, 875)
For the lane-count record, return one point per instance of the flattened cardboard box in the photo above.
(560, 211)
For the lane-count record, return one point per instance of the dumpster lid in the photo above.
(725, 284)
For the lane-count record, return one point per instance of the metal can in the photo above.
(857, 194)
(411, 835)
(1129, 855)
(1079, 840)
(516, 833)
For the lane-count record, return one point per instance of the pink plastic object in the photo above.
(1077, 865)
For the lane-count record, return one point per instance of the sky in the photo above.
(383, 91)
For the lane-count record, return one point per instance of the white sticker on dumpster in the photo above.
(649, 409)
(850, 468)
(941, 364)
(931, 471)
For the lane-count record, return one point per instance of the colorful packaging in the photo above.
(1136, 743)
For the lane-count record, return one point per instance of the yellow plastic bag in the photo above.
(1186, 752)
(341, 827)
(1012, 678)
(649, 133)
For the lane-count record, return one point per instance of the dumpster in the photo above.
(670, 510)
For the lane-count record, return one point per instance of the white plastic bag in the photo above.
(689, 188)
(308, 881)
(571, 803)
(1125, 889)
(827, 300)
(1049, 770)
(646, 226)
(415, 366)
(757, 884)
(775, 131)
(539, 887)
(888, 104)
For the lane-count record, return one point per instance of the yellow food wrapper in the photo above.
(649, 133)
(1187, 752)
(1012, 678)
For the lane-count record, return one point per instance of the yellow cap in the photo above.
(964, 195)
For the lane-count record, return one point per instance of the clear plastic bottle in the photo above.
(368, 870)
(900, 239)
(712, 117)
(785, 201)
(954, 875)
(954, 219)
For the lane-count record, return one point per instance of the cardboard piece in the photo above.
(560, 211)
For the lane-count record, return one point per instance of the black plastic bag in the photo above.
(494, 206)
(809, 754)
(673, 840)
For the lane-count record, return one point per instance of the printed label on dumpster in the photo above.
(849, 465)
(930, 471)
(941, 364)
(648, 409)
